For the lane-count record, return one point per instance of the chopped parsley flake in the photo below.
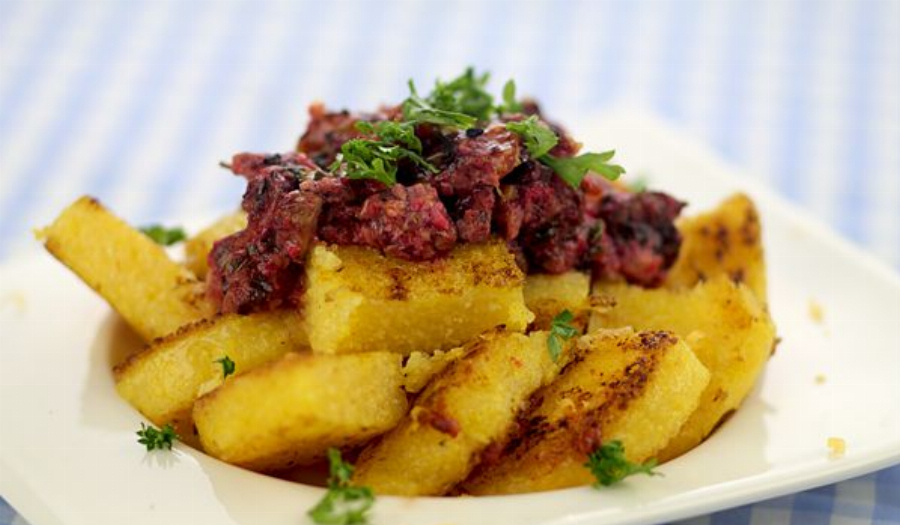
(343, 504)
(164, 236)
(561, 330)
(573, 169)
(227, 366)
(609, 466)
(154, 438)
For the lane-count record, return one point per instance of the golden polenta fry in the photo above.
(421, 367)
(468, 407)
(154, 295)
(725, 325)
(358, 300)
(638, 388)
(726, 240)
(548, 295)
(197, 248)
(163, 381)
(290, 411)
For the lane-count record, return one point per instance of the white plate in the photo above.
(68, 453)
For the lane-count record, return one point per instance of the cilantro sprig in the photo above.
(561, 330)
(539, 140)
(154, 438)
(608, 464)
(164, 236)
(343, 504)
(227, 366)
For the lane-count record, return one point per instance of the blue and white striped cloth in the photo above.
(135, 101)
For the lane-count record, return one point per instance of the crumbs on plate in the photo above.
(836, 447)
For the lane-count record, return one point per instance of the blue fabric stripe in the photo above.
(546, 79)
(613, 51)
(857, 149)
(736, 516)
(79, 101)
(670, 91)
(280, 92)
(9, 11)
(132, 127)
(201, 123)
(813, 507)
(887, 497)
(373, 19)
(55, 28)
(732, 96)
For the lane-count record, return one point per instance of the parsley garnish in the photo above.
(164, 236)
(510, 104)
(154, 438)
(422, 111)
(377, 157)
(608, 464)
(343, 504)
(465, 94)
(573, 169)
(538, 138)
(227, 366)
(561, 330)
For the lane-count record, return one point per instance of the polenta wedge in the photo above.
(358, 300)
(726, 240)
(154, 295)
(548, 295)
(637, 388)
(468, 407)
(289, 412)
(725, 325)
(163, 381)
(197, 248)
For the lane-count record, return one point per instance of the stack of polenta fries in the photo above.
(439, 372)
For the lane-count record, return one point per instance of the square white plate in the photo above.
(68, 453)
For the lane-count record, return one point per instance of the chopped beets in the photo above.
(326, 132)
(486, 185)
(638, 239)
(473, 215)
(407, 222)
(479, 161)
(261, 266)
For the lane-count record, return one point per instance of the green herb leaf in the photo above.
(538, 138)
(343, 504)
(421, 111)
(164, 236)
(227, 366)
(154, 438)
(608, 464)
(510, 104)
(561, 330)
(377, 157)
(465, 94)
(573, 169)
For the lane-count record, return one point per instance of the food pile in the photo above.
(450, 292)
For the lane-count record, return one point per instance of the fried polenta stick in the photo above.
(290, 411)
(155, 295)
(468, 407)
(358, 300)
(726, 326)
(163, 381)
(637, 388)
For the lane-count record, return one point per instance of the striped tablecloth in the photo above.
(131, 100)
